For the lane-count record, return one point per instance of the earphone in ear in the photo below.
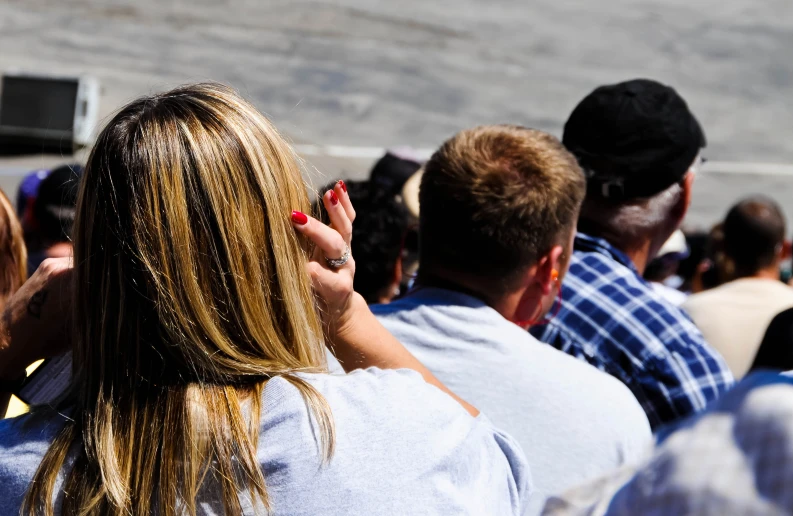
(557, 305)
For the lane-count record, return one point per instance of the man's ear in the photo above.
(548, 268)
(687, 186)
(679, 210)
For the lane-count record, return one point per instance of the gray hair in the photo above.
(626, 223)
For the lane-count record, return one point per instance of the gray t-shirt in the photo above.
(403, 447)
(573, 421)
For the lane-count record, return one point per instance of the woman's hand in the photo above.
(356, 336)
(34, 322)
(333, 282)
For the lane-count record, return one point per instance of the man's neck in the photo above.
(506, 307)
(771, 272)
(639, 254)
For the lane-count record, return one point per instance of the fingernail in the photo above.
(342, 185)
(299, 218)
(334, 200)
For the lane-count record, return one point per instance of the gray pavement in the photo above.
(368, 73)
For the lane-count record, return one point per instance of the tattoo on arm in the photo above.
(36, 303)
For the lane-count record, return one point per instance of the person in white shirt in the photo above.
(736, 458)
(734, 317)
(498, 208)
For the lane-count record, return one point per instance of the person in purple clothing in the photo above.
(46, 201)
(639, 147)
(27, 193)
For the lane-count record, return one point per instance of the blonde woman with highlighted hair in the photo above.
(201, 301)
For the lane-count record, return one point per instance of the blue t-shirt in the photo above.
(402, 447)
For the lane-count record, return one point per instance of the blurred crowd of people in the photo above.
(519, 325)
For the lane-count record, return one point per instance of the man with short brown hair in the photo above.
(498, 207)
(493, 200)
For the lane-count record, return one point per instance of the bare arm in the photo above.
(33, 324)
(357, 337)
(366, 343)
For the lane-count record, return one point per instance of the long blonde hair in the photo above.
(13, 253)
(190, 293)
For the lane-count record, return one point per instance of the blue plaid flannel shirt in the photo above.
(612, 318)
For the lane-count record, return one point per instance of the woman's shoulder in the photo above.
(367, 381)
(391, 428)
(376, 414)
(23, 442)
(385, 394)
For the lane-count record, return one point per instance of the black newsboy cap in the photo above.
(634, 139)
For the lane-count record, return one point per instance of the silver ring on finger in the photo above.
(335, 263)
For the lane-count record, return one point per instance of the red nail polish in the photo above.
(334, 200)
(342, 185)
(298, 217)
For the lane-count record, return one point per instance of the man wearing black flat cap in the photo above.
(639, 147)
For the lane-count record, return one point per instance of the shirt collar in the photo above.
(432, 295)
(590, 244)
